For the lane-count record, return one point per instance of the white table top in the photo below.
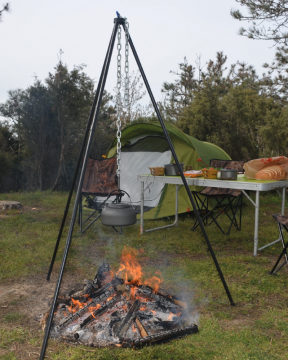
(242, 183)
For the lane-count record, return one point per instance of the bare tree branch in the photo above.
(6, 7)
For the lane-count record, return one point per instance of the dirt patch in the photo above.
(238, 323)
(31, 298)
(3, 352)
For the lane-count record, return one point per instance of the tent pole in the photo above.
(180, 169)
(84, 165)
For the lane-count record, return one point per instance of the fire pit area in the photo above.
(121, 309)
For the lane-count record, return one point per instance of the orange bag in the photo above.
(274, 168)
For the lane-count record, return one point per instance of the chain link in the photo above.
(118, 102)
(126, 92)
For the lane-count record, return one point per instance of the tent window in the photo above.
(148, 144)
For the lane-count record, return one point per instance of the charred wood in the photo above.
(112, 323)
(167, 325)
(128, 319)
(165, 336)
(116, 281)
(101, 311)
(144, 314)
(86, 291)
(149, 295)
(73, 317)
(102, 274)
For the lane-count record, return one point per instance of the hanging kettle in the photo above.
(118, 214)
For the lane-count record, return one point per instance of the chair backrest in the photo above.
(228, 164)
(100, 177)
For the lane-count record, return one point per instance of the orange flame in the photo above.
(132, 273)
(170, 316)
(133, 292)
(130, 267)
(76, 305)
(154, 282)
(93, 308)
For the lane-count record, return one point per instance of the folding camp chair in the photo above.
(100, 181)
(282, 223)
(224, 201)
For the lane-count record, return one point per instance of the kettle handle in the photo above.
(118, 190)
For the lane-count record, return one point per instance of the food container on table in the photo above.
(209, 173)
(172, 170)
(228, 174)
(157, 171)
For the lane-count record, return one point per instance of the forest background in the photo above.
(233, 107)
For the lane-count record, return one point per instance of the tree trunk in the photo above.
(62, 159)
(60, 167)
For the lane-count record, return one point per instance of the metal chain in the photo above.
(126, 92)
(118, 103)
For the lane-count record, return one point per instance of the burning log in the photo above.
(183, 304)
(116, 281)
(103, 314)
(167, 325)
(102, 274)
(144, 314)
(128, 319)
(158, 298)
(164, 336)
(87, 290)
(73, 317)
(141, 328)
(101, 310)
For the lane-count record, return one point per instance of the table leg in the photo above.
(176, 214)
(283, 201)
(256, 224)
(176, 206)
(142, 209)
(282, 213)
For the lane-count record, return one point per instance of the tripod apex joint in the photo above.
(120, 20)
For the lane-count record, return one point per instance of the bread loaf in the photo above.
(273, 172)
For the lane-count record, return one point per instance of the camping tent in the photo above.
(144, 145)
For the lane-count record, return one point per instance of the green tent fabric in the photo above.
(141, 140)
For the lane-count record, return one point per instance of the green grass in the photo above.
(256, 328)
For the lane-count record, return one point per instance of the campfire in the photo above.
(122, 309)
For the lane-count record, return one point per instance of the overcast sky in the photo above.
(163, 33)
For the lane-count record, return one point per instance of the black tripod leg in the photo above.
(79, 190)
(179, 167)
(76, 172)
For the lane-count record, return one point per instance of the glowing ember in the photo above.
(76, 305)
(170, 316)
(93, 308)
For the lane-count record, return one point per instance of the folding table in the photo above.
(242, 183)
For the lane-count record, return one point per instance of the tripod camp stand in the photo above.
(85, 149)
